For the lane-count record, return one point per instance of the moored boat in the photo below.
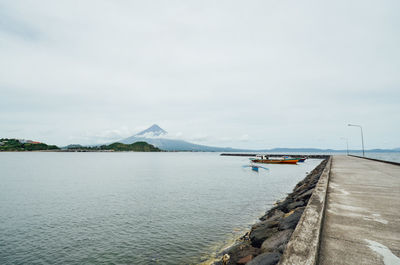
(278, 160)
(275, 161)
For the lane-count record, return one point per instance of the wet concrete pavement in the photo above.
(362, 215)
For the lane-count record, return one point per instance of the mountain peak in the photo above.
(153, 130)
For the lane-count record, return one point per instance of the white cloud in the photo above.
(244, 138)
(215, 71)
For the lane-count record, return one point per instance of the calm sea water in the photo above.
(392, 156)
(130, 208)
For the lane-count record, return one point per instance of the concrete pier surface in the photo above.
(362, 213)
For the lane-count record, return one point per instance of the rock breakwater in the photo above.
(267, 239)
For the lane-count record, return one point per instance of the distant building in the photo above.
(23, 141)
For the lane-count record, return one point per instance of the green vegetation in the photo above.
(136, 147)
(27, 145)
(20, 145)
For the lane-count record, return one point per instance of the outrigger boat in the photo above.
(268, 160)
(256, 167)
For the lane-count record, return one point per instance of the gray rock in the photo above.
(276, 215)
(281, 248)
(275, 241)
(272, 215)
(291, 221)
(283, 205)
(242, 251)
(271, 212)
(266, 259)
(295, 204)
(258, 236)
(301, 187)
(306, 195)
(265, 224)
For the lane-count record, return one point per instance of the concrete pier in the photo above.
(362, 213)
(352, 217)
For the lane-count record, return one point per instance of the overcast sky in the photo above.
(254, 74)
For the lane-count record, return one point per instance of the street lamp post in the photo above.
(347, 144)
(362, 137)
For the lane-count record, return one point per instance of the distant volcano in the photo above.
(153, 131)
(157, 136)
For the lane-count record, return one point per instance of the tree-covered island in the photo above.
(135, 147)
(24, 145)
(29, 145)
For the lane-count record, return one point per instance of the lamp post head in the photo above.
(355, 125)
(362, 137)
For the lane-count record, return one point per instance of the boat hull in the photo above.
(254, 168)
(273, 161)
